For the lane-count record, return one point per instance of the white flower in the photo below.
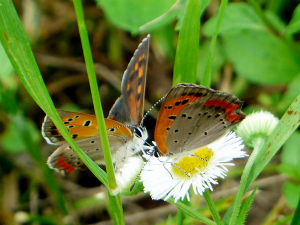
(257, 125)
(172, 176)
(126, 176)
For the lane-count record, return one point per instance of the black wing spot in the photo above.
(217, 115)
(191, 93)
(208, 116)
(189, 133)
(112, 129)
(170, 107)
(205, 133)
(176, 130)
(221, 119)
(224, 127)
(199, 114)
(54, 132)
(199, 94)
(185, 101)
(183, 115)
(177, 103)
(204, 94)
(71, 126)
(66, 122)
(74, 136)
(92, 142)
(87, 123)
(70, 119)
(172, 117)
(175, 141)
(168, 128)
(189, 117)
(78, 163)
(165, 107)
(97, 149)
(138, 96)
(76, 116)
(223, 122)
(70, 147)
(205, 113)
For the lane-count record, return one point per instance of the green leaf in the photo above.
(245, 208)
(256, 54)
(296, 217)
(291, 192)
(203, 6)
(237, 17)
(261, 57)
(289, 95)
(290, 156)
(188, 45)
(294, 24)
(6, 67)
(132, 14)
(12, 139)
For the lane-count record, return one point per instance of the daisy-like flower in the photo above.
(256, 125)
(127, 176)
(172, 176)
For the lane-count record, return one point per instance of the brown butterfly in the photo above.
(125, 134)
(192, 116)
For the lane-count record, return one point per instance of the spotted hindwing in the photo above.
(192, 116)
(84, 130)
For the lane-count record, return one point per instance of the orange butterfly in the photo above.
(125, 133)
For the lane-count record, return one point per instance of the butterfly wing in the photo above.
(84, 130)
(193, 116)
(79, 125)
(64, 159)
(129, 108)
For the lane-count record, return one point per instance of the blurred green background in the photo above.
(257, 58)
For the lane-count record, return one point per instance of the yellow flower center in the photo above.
(190, 165)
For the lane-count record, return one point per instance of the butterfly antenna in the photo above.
(142, 122)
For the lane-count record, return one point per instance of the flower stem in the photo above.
(257, 143)
(212, 207)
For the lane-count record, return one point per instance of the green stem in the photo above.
(115, 202)
(258, 144)
(180, 215)
(206, 81)
(212, 207)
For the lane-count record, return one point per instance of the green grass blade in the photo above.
(16, 45)
(245, 208)
(188, 45)
(296, 217)
(115, 201)
(206, 79)
(95, 92)
(212, 207)
(286, 126)
(192, 212)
